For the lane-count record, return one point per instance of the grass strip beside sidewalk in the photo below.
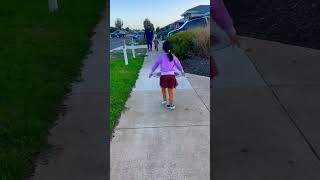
(122, 80)
(40, 54)
(118, 54)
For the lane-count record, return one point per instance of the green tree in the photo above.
(158, 29)
(118, 23)
(147, 23)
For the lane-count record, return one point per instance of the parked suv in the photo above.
(118, 34)
(138, 36)
(191, 24)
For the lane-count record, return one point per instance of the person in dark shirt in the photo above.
(148, 35)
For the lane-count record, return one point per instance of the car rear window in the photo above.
(195, 23)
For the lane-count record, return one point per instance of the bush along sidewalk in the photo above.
(182, 43)
(41, 53)
(192, 48)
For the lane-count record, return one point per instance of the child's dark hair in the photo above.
(167, 47)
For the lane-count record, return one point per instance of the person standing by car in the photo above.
(148, 35)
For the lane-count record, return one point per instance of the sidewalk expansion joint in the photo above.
(285, 109)
(208, 108)
(159, 127)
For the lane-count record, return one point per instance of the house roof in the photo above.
(201, 9)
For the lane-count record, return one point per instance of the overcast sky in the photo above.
(160, 12)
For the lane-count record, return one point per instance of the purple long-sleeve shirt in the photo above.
(220, 14)
(167, 67)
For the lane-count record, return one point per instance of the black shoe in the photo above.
(171, 106)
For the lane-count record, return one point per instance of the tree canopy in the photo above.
(118, 23)
(157, 29)
(147, 23)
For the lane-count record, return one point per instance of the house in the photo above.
(196, 12)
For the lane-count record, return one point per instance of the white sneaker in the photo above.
(164, 102)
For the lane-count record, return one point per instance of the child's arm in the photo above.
(221, 16)
(154, 66)
(178, 64)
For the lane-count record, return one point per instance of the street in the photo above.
(116, 42)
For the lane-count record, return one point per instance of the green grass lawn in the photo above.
(40, 54)
(122, 80)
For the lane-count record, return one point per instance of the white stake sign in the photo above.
(133, 50)
(125, 53)
(53, 5)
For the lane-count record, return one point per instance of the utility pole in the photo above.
(53, 5)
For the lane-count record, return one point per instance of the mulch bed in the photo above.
(293, 22)
(196, 65)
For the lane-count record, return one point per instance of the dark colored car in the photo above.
(191, 24)
(138, 36)
(118, 34)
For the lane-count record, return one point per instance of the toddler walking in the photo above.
(167, 62)
(156, 44)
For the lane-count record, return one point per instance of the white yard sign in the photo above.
(133, 51)
(125, 53)
(53, 5)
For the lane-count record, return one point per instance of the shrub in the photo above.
(182, 44)
(201, 41)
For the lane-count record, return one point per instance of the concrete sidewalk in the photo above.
(154, 143)
(79, 140)
(266, 112)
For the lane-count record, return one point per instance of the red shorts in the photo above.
(168, 81)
